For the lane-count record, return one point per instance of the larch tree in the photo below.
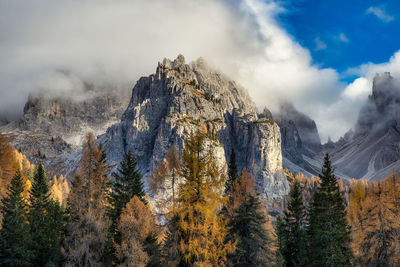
(136, 225)
(379, 213)
(328, 231)
(202, 231)
(163, 184)
(291, 230)
(165, 180)
(47, 222)
(86, 205)
(126, 184)
(8, 164)
(14, 236)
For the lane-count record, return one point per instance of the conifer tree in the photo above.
(163, 184)
(247, 225)
(232, 173)
(14, 235)
(86, 205)
(201, 231)
(291, 230)
(127, 183)
(328, 232)
(46, 221)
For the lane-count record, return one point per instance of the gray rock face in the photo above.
(373, 151)
(52, 127)
(69, 118)
(300, 139)
(181, 98)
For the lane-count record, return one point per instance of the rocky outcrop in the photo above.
(372, 151)
(181, 98)
(300, 140)
(53, 126)
(70, 118)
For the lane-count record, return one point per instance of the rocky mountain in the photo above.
(52, 126)
(300, 140)
(372, 151)
(181, 98)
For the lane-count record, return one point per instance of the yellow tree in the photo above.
(136, 225)
(86, 206)
(202, 232)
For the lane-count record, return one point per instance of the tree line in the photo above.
(199, 214)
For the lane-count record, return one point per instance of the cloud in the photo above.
(59, 45)
(380, 13)
(319, 44)
(343, 38)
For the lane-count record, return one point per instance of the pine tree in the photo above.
(14, 236)
(247, 226)
(46, 221)
(86, 205)
(291, 230)
(328, 232)
(127, 183)
(232, 173)
(201, 231)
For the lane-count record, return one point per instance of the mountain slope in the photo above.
(373, 150)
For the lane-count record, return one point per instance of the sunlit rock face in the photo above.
(180, 99)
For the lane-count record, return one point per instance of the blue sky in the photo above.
(344, 34)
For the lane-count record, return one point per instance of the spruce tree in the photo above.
(14, 235)
(232, 173)
(127, 184)
(291, 230)
(328, 232)
(46, 220)
(247, 226)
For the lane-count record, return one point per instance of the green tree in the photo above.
(328, 232)
(232, 173)
(46, 221)
(247, 227)
(127, 184)
(291, 230)
(14, 236)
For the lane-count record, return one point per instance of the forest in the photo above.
(189, 212)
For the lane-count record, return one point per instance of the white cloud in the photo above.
(113, 43)
(380, 13)
(319, 44)
(359, 89)
(343, 38)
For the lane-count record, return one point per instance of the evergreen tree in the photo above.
(201, 231)
(247, 226)
(328, 232)
(127, 184)
(232, 173)
(291, 230)
(87, 224)
(14, 235)
(46, 221)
